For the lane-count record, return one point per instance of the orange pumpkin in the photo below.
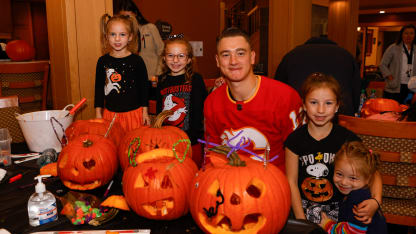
(157, 185)
(379, 105)
(115, 77)
(87, 162)
(20, 50)
(148, 138)
(116, 201)
(95, 126)
(235, 196)
(317, 190)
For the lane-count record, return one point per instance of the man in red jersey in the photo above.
(249, 108)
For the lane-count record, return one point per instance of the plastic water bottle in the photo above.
(363, 98)
(373, 94)
(42, 205)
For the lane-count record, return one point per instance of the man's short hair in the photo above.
(233, 32)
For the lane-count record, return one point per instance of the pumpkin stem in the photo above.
(87, 143)
(160, 118)
(234, 159)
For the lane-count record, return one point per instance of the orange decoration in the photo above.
(20, 50)
(87, 162)
(115, 77)
(379, 105)
(116, 201)
(50, 169)
(235, 196)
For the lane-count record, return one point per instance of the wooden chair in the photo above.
(28, 80)
(396, 143)
(9, 106)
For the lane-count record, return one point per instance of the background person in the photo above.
(398, 65)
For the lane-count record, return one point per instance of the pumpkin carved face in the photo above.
(158, 186)
(144, 139)
(115, 77)
(87, 162)
(229, 197)
(317, 190)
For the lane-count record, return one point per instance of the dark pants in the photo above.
(399, 97)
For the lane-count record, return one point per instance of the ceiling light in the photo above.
(382, 12)
(358, 29)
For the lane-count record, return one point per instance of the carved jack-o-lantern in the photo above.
(87, 162)
(148, 138)
(95, 126)
(115, 77)
(379, 105)
(157, 187)
(239, 197)
(317, 190)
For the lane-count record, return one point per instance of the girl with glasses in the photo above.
(182, 90)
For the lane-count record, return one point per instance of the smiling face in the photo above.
(176, 58)
(235, 58)
(347, 178)
(321, 105)
(118, 37)
(408, 35)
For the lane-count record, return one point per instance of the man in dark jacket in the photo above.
(323, 55)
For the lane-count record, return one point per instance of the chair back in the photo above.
(396, 144)
(28, 80)
(9, 106)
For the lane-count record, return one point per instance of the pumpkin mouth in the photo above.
(252, 223)
(87, 186)
(159, 207)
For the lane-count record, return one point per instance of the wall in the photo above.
(372, 59)
(198, 20)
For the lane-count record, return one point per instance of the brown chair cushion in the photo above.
(8, 120)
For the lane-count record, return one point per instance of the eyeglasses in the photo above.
(180, 57)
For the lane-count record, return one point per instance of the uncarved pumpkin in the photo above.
(235, 196)
(157, 187)
(95, 126)
(87, 162)
(148, 138)
(20, 50)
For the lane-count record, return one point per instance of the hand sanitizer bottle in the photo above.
(42, 205)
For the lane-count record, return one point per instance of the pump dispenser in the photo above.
(42, 204)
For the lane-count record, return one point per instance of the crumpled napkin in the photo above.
(2, 173)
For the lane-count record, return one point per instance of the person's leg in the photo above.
(394, 96)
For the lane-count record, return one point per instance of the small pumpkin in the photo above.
(87, 162)
(148, 138)
(236, 196)
(20, 50)
(378, 105)
(95, 126)
(115, 77)
(317, 189)
(50, 169)
(116, 201)
(157, 184)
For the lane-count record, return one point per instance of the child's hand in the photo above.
(324, 219)
(365, 210)
(146, 119)
(98, 113)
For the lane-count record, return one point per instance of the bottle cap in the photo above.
(40, 187)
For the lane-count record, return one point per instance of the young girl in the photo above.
(182, 90)
(355, 166)
(121, 85)
(311, 149)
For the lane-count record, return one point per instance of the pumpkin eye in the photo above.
(140, 182)
(322, 186)
(89, 164)
(255, 188)
(166, 183)
(312, 185)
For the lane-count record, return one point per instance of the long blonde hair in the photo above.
(131, 25)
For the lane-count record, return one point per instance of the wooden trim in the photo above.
(379, 127)
(387, 10)
(400, 220)
(391, 180)
(393, 157)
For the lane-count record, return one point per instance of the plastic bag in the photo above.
(80, 208)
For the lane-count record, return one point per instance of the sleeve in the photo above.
(386, 60)
(356, 85)
(159, 101)
(198, 95)
(159, 45)
(144, 88)
(211, 133)
(343, 227)
(281, 71)
(99, 84)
